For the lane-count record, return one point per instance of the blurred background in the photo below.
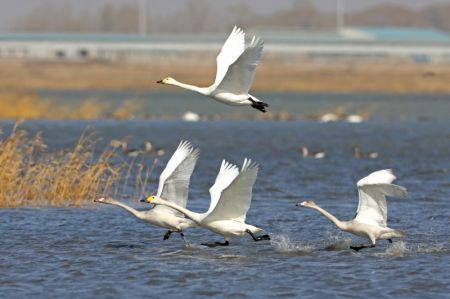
(326, 59)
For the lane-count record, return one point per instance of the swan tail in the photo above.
(258, 105)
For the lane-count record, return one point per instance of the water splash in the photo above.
(427, 248)
(396, 249)
(283, 244)
(339, 244)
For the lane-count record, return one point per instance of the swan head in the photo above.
(307, 204)
(167, 81)
(103, 200)
(153, 199)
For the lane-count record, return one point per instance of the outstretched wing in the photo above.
(227, 173)
(372, 190)
(240, 74)
(235, 199)
(174, 180)
(233, 47)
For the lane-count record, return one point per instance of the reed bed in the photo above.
(31, 176)
(19, 106)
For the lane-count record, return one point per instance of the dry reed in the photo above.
(30, 106)
(31, 176)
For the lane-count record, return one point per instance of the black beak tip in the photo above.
(142, 200)
(159, 81)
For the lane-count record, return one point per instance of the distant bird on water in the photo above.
(236, 65)
(358, 154)
(146, 148)
(370, 221)
(306, 153)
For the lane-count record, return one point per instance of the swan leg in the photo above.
(255, 238)
(362, 246)
(215, 244)
(167, 235)
(258, 105)
(390, 240)
(186, 242)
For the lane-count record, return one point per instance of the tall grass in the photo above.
(29, 175)
(31, 106)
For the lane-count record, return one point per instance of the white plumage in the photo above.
(230, 200)
(236, 65)
(174, 180)
(372, 190)
(174, 187)
(370, 221)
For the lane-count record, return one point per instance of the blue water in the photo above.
(103, 252)
(172, 105)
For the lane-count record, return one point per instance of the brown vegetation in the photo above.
(31, 176)
(25, 105)
(272, 75)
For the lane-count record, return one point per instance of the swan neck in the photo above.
(305, 151)
(331, 217)
(196, 217)
(136, 213)
(200, 90)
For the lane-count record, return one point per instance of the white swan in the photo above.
(236, 67)
(371, 215)
(174, 186)
(231, 196)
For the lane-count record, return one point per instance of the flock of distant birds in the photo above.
(231, 193)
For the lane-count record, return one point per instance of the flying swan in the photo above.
(174, 186)
(236, 65)
(231, 196)
(371, 215)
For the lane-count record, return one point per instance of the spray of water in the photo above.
(283, 244)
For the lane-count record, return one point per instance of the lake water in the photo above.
(172, 105)
(101, 251)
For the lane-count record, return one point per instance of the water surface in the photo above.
(101, 251)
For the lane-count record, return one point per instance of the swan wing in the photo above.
(240, 74)
(372, 191)
(233, 47)
(235, 199)
(174, 180)
(227, 173)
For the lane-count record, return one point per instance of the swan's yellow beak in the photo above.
(149, 199)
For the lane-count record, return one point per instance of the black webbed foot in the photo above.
(359, 247)
(255, 238)
(258, 105)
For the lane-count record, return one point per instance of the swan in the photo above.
(231, 196)
(236, 65)
(371, 215)
(174, 186)
(358, 154)
(307, 153)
